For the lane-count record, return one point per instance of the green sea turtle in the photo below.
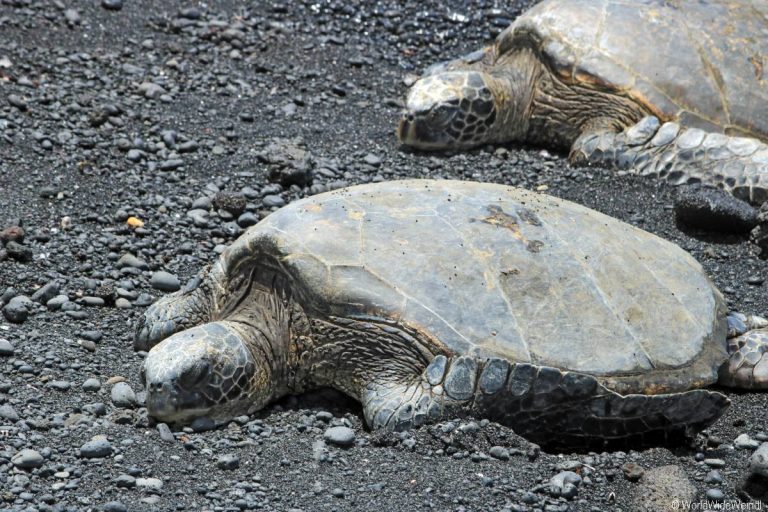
(672, 89)
(431, 299)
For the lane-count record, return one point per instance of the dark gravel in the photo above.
(139, 138)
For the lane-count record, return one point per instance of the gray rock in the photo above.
(715, 463)
(17, 310)
(92, 385)
(564, 485)
(129, 260)
(8, 413)
(96, 448)
(122, 395)
(151, 90)
(499, 452)
(27, 459)
(199, 217)
(112, 5)
(123, 303)
(57, 302)
(114, 506)
(662, 488)
(165, 433)
(340, 436)
(712, 209)
(745, 442)
(152, 484)
(715, 495)
(632, 471)
(165, 281)
(228, 462)
(272, 200)
(125, 481)
(6, 348)
(46, 293)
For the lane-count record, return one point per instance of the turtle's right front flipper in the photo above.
(559, 409)
(173, 313)
(680, 155)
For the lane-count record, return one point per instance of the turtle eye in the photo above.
(442, 112)
(194, 374)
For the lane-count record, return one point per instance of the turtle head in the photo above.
(449, 110)
(209, 370)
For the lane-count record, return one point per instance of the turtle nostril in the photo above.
(408, 116)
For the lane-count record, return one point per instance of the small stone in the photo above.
(272, 200)
(57, 302)
(6, 348)
(27, 459)
(372, 159)
(228, 462)
(96, 448)
(165, 281)
(46, 293)
(632, 471)
(114, 506)
(715, 495)
(165, 433)
(112, 5)
(745, 442)
(152, 484)
(18, 252)
(125, 481)
(8, 413)
(499, 452)
(92, 385)
(564, 484)
(340, 436)
(715, 463)
(123, 303)
(129, 260)
(337, 493)
(123, 396)
(17, 310)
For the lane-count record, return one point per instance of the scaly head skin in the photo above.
(209, 370)
(451, 110)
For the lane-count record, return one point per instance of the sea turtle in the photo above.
(430, 299)
(672, 89)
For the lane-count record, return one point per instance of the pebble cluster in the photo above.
(138, 139)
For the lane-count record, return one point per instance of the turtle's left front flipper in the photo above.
(680, 155)
(747, 367)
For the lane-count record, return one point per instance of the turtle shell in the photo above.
(496, 271)
(701, 63)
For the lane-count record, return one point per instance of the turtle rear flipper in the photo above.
(173, 313)
(680, 155)
(558, 409)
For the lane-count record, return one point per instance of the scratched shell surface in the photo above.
(703, 62)
(495, 271)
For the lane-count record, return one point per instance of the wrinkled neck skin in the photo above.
(265, 323)
(513, 83)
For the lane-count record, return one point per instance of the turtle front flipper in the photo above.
(747, 367)
(739, 165)
(558, 409)
(173, 313)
